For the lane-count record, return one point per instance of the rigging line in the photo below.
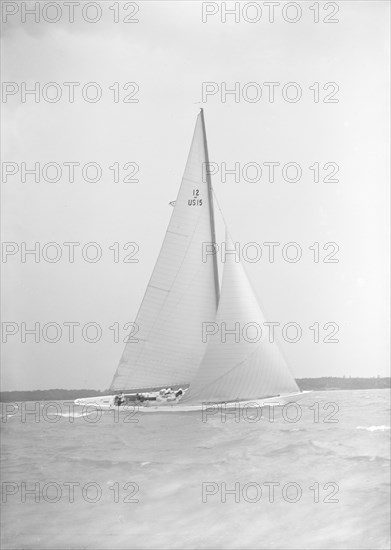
(211, 210)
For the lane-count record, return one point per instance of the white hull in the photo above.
(106, 403)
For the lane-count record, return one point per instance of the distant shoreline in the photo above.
(325, 383)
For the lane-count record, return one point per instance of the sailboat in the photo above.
(172, 366)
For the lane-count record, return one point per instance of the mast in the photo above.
(211, 210)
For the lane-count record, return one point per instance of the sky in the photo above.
(167, 56)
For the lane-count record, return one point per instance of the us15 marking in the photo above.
(195, 201)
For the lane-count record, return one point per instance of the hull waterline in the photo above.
(175, 407)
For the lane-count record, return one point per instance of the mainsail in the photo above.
(242, 367)
(182, 292)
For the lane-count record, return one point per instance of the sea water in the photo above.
(314, 475)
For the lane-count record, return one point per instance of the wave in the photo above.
(5, 417)
(382, 460)
(303, 447)
(71, 415)
(373, 428)
(289, 430)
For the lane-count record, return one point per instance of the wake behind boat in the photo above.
(183, 296)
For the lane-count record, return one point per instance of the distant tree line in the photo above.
(345, 383)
